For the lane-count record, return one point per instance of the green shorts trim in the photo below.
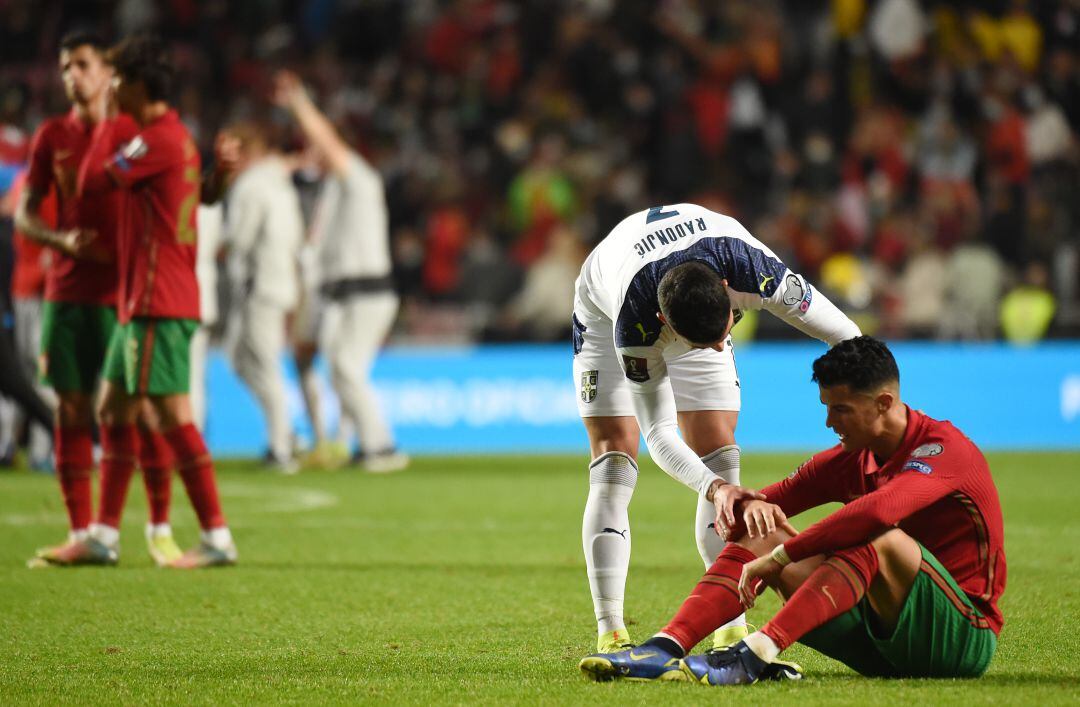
(939, 634)
(149, 356)
(74, 340)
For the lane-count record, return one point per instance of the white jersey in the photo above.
(210, 225)
(351, 225)
(264, 230)
(617, 288)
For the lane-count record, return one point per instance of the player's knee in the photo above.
(896, 546)
(613, 468)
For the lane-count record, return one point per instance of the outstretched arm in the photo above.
(289, 93)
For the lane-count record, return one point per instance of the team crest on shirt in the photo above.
(637, 369)
(588, 386)
(928, 450)
(134, 149)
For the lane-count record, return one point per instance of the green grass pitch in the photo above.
(460, 581)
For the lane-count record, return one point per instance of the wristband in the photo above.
(780, 556)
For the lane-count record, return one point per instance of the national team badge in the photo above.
(588, 386)
(637, 369)
(928, 450)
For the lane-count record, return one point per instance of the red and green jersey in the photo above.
(56, 151)
(158, 170)
(936, 487)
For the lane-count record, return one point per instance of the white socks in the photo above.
(724, 462)
(605, 535)
(220, 538)
(763, 646)
(105, 534)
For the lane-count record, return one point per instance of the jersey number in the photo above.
(185, 219)
(657, 213)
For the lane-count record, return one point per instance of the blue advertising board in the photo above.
(494, 399)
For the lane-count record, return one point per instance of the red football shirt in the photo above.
(32, 259)
(56, 150)
(158, 170)
(936, 487)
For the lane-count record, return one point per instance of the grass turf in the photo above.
(458, 581)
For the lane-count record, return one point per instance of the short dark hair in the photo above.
(695, 302)
(144, 59)
(82, 38)
(864, 364)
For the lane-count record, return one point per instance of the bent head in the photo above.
(143, 73)
(859, 384)
(83, 68)
(694, 302)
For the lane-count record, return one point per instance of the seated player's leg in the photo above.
(911, 619)
(608, 415)
(714, 602)
(708, 398)
(166, 380)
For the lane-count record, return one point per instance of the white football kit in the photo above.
(627, 363)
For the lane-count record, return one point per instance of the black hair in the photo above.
(695, 302)
(864, 364)
(82, 38)
(144, 59)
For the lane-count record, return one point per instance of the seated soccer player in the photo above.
(903, 581)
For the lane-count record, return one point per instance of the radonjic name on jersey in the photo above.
(746, 267)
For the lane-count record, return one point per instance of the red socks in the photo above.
(119, 447)
(714, 601)
(197, 471)
(156, 461)
(833, 588)
(74, 454)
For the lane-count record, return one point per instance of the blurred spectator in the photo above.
(1028, 309)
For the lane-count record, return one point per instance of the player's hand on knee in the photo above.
(762, 519)
(724, 498)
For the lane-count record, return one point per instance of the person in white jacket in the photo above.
(357, 301)
(264, 230)
(653, 309)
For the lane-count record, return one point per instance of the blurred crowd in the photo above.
(918, 161)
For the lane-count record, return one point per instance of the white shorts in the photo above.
(701, 379)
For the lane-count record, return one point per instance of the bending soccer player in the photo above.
(903, 581)
(79, 315)
(157, 174)
(653, 310)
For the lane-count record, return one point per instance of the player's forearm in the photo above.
(320, 132)
(29, 222)
(655, 411)
(864, 519)
(810, 311)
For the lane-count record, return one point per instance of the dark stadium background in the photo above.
(917, 160)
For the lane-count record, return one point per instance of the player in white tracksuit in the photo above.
(264, 229)
(679, 266)
(357, 301)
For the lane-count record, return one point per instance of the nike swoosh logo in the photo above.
(642, 656)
